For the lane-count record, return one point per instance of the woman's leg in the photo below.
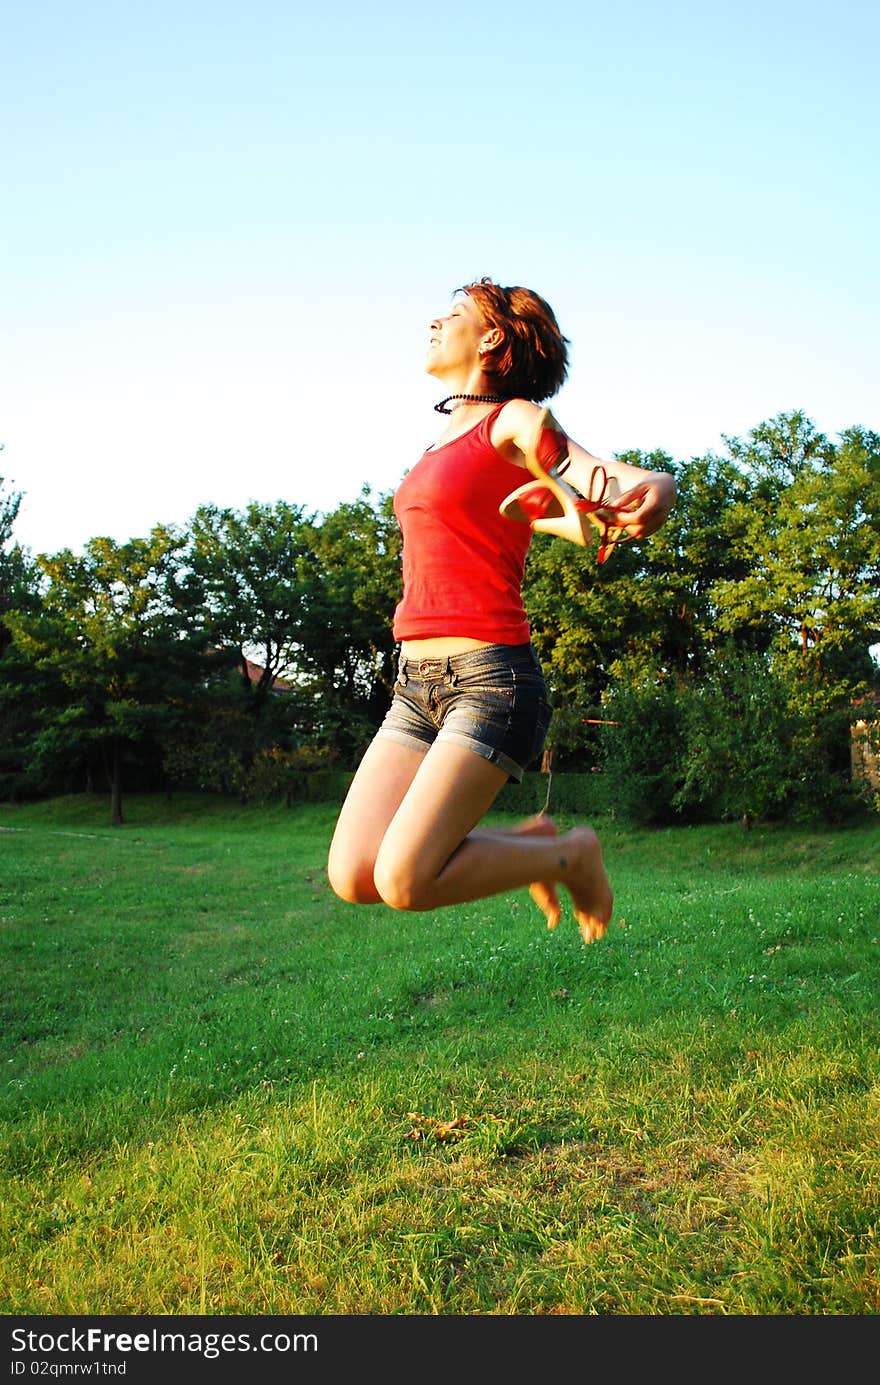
(543, 892)
(429, 854)
(376, 792)
(374, 797)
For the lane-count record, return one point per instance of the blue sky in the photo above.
(226, 229)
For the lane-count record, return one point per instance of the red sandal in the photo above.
(551, 506)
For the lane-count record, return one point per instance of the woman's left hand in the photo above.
(643, 508)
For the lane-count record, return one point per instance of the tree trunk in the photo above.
(116, 818)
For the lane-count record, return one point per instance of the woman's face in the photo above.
(455, 339)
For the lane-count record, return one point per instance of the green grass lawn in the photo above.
(225, 1092)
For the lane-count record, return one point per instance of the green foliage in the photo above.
(811, 534)
(742, 632)
(348, 654)
(308, 601)
(583, 615)
(643, 757)
(289, 774)
(745, 742)
(20, 686)
(739, 730)
(251, 574)
(19, 574)
(111, 644)
(583, 796)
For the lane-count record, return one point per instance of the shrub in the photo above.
(643, 753)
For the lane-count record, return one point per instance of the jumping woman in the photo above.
(470, 708)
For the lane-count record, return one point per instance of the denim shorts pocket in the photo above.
(499, 682)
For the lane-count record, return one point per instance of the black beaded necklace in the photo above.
(468, 399)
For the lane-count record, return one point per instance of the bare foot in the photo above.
(587, 882)
(543, 892)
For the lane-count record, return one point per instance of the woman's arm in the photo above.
(647, 496)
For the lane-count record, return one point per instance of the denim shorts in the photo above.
(492, 699)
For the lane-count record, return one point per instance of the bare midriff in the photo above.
(440, 647)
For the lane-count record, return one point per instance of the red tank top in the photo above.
(463, 562)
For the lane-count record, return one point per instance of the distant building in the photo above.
(255, 673)
(864, 742)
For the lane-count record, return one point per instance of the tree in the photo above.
(19, 579)
(812, 537)
(170, 650)
(779, 546)
(20, 686)
(585, 617)
(347, 649)
(111, 633)
(252, 574)
(311, 600)
(643, 746)
(740, 732)
(253, 571)
(824, 561)
(698, 548)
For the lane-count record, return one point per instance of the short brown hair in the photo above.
(531, 360)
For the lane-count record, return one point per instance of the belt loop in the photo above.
(452, 675)
(401, 670)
